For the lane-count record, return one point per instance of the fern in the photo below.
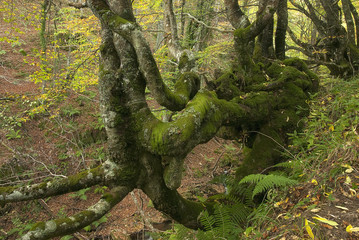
(207, 221)
(224, 223)
(265, 182)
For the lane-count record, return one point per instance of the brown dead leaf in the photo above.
(326, 226)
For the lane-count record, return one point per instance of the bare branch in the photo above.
(68, 225)
(207, 26)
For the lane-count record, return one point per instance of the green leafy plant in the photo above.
(13, 134)
(20, 227)
(81, 194)
(95, 224)
(70, 111)
(265, 182)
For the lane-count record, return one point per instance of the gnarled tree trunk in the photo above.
(259, 98)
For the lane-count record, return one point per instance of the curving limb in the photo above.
(68, 225)
(197, 123)
(53, 187)
(185, 88)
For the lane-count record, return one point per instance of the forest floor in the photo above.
(326, 205)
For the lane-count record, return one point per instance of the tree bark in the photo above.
(147, 153)
(282, 24)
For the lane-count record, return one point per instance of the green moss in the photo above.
(260, 103)
(228, 86)
(274, 70)
(242, 33)
(172, 174)
(297, 63)
(187, 85)
(183, 61)
(112, 19)
(38, 226)
(265, 152)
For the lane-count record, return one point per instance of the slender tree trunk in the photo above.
(281, 30)
(349, 21)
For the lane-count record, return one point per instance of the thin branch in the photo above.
(265, 135)
(33, 159)
(68, 225)
(7, 99)
(207, 26)
(53, 187)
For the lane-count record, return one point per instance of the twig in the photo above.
(263, 134)
(32, 158)
(207, 26)
(7, 99)
(140, 209)
(217, 161)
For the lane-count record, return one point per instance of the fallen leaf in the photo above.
(343, 208)
(314, 181)
(351, 229)
(315, 210)
(352, 192)
(348, 180)
(327, 226)
(309, 229)
(349, 168)
(326, 221)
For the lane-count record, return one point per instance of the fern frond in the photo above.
(239, 213)
(252, 178)
(207, 221)
(223, 221)
(182, 232)
(272, 181)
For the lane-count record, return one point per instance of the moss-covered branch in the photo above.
(52, 187)
(198, 123)
(166, 200)
(187, 85)
(102, 175)
(68, 225)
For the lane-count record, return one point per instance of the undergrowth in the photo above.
(327, 148)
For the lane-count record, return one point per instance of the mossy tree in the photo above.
(261, 98)
(336, 24)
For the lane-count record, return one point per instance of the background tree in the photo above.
(336, 45)
(265, 99)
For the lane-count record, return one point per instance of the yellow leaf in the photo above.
(348, 180)
(314, 181)
(309, 229)
(331, 128)
(326, 221)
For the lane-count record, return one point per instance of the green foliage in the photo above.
(331, 128)
(20, 227)
(81, 194)
(265, 182)
(225, 223)
(13, 134)
(95, 224)
(215, 56)
(70, 111)
(67, 237)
